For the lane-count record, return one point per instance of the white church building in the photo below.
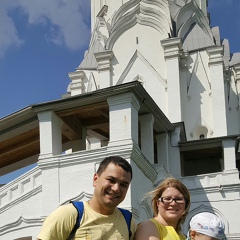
(157, 86)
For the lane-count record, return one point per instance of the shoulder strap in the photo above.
(128, 217)
(80, 208)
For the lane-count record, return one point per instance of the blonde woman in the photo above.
(170, 202)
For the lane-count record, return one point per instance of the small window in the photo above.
(202, 136)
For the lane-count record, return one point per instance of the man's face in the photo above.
(111, 186)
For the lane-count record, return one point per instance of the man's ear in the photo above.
(95, 177)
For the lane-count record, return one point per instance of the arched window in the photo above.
(202, 136)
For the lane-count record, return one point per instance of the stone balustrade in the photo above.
(20, 186)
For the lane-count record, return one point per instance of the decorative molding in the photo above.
(76, 75)
(103, 60)
(146, 206)
(135, 212)
(123, 99)
(215, 55)
(148, 16)
(210, 183)
(75, 158)
(172, 47)
(138, 55)
(79, 197)
(161, 4)
(236, 69)
(21, 198)
(77, 81)
(143, 164)
(21, 223)
(9, 199)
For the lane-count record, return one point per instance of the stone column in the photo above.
(229, 155)
(123, 116)
(104, 68)
(174, 160)
(50, 145)
(162, 149)
(50, 134)
(80, 145)
(217, 89)
(172, 49)
(147, 138)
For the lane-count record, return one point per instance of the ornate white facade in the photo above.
(158, 87)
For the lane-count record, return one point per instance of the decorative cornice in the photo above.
(76, 78)
(236, 69)
(215, 55)
(104, 60)
(172, 47)
(124, 98)
(76, 75)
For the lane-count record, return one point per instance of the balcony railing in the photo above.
(20, 186)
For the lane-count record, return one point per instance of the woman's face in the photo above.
(171, 212)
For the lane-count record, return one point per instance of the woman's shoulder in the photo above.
(146, 223)
(146, 229)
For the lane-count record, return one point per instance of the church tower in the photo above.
(170, 48)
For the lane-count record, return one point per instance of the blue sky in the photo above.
(41, 41)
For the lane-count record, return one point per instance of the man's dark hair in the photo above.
(123, 163)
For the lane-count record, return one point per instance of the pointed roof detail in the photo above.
(191, 24)
(89, 61)
(154, 13)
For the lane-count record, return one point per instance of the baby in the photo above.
(206, 226)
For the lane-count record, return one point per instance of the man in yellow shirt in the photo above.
(101, 218)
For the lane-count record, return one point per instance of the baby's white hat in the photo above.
(208, 224)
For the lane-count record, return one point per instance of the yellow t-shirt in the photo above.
(167, 232)
(60, 223)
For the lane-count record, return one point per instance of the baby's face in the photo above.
(200, 236)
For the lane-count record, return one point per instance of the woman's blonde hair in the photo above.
(174, 183)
